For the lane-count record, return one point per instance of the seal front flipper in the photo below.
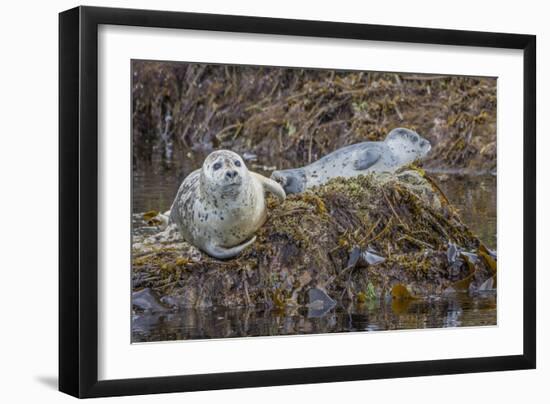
(366, 158)
(271, 186)
(225, 253)
(293, 180)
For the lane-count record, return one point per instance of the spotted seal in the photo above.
(220, 206)
(401, 146)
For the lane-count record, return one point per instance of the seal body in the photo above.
(219, 207)
(401, 146)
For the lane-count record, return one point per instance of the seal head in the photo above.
(222, 175)
(407, 145)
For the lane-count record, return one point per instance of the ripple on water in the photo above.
(459, 310)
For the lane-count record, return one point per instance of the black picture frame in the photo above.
(78, 201)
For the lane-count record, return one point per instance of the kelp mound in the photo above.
(371, 237)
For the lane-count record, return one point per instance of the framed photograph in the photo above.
(251, 201)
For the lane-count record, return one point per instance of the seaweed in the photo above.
(290, 117)
(401, 219)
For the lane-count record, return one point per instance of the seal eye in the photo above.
(217, 166)
(237, 163)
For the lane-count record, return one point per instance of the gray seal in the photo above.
(400, 147)
(219, 207)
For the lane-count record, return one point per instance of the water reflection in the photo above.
(459, 310)
(475, 197)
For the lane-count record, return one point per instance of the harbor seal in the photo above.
(220, 206)
(401, 146)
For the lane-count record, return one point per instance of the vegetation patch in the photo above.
(375, 236)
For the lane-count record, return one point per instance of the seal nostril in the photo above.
(231, 174)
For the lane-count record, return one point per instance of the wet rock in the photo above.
(452, 253)
(320, 303)
(456, 268)
(171, 301)
(145, 300)
(354, 257)
(471, 256)
(371, 258)
(487, 286)
(313, 312)
(144, 322)
(317, 295)
(362, 258)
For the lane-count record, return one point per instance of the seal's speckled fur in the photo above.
(219, 207)
(401, 146)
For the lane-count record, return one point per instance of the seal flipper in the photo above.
(293, 180)
(365, 158)
(271, 186)
(225, 253)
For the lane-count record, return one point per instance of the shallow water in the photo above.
(475, 197)
(459, 310)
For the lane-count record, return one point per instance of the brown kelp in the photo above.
(294, 116)
(351, 240)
